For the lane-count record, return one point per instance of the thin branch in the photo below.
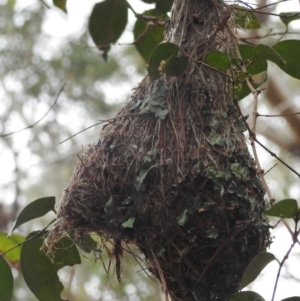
(138, 259)
(39, 120)
(155, 20)
(141, 35)
(278, 115)
(275, 156)
(31, 238)
(257, 12)
(147, 29)
(100, 122)
(286, 256)
(71, 278)
(267, 35)
(254, 113)
(271, 4)
(89, 127)
(272, 201)
(206, 65)
(252, 135)
(270, 169)
(47, 6)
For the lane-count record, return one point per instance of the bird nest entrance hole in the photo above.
(173, 175)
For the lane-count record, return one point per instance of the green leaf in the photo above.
(258, 65)
(254, 268)
(246, 296)
(155, 103)
(246, 19)
(175, 66)
(288, 17)
(129, 223)
(247, 52)
(239, 170)
(164, 5)
(182, 218)
(40, 273)
(139, 185)
(259, 55)
(107, 22)
(289, 50)
(287, 208)
(62, 4)
(159, 250)
(241, 90)
(65, 254)
(6, 281)
(217, 59)
(259, 78)
(147, 38)
(212, 233)
(88, 244)
(33, 210)
(7, 243)
(295, 298)
(268, 53)
(255, 59)
(158, 57)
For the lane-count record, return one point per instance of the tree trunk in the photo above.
(182, 187)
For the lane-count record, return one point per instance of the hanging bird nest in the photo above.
(172, 174)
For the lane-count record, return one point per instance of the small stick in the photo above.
(252, 135)
(286, 256)
(39, 120)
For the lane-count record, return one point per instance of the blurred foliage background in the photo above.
(35, 64)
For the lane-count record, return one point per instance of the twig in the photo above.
(275, 156)
(155, 20)
(161, 274)
(72, 273)
(45, 4)
(278, 115)
(206, 65)
(31, 238)
(271, 4)
(252, 131)
(257, 12)
(137, 259)
(147, 29)
(103, 121)
(270, 169)
(89, 127)
(252, 135)
(286, 256)
(257, 37)
(39, 120)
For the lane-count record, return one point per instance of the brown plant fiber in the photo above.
(172, 173)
